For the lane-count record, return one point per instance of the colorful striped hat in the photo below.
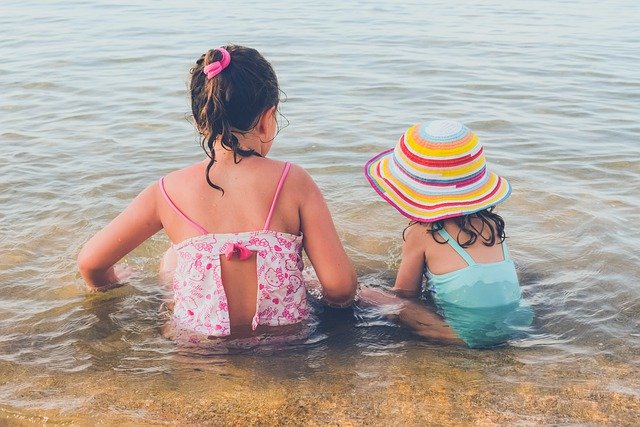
(436, 171)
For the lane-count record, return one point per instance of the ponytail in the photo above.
(232, 100)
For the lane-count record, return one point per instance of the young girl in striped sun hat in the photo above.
(437, 177)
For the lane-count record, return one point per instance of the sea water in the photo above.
(94, 107)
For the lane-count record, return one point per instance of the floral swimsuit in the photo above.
(200, 299)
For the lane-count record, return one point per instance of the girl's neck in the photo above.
(246, 142)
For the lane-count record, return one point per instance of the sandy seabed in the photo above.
(440, 393)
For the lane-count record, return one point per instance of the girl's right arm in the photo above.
(413, 313)
(138, 222)
(322, 245)
(403, 304)
(409, 277)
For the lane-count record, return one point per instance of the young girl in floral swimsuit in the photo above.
(238, 221)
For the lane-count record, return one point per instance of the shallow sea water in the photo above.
(93, 107)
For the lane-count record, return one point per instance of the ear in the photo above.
(265, 123)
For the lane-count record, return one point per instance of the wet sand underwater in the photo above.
(251, 391)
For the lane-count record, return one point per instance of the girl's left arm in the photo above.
(139, 221)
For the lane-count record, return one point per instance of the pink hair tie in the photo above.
(216, 67)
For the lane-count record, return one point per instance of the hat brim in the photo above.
(426, 206)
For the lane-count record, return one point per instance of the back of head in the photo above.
(232, 99)
(486, 225)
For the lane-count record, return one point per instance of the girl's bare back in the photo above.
(249, 191)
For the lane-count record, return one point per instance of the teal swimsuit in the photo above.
(481, 302)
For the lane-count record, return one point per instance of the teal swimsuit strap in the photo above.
(456, 247)
(505, 251)
(454, 244)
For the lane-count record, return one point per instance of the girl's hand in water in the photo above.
(314, 288)
(405, 307)
(98, 258)
(117, 276)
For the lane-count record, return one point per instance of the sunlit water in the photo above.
(93, 107)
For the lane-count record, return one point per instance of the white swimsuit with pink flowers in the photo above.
(200, 300)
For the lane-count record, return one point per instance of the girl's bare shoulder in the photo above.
(186, 172)
(415, 237)
(300, 181)
(416, 231)
(182, 181)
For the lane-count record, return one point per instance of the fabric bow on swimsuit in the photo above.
(237, 248)
(201, 306)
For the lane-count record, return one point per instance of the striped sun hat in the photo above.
(436, 171)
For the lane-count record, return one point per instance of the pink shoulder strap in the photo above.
(178, 211)
(285, 172)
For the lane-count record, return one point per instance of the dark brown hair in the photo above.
(492, 221)
(231, 101)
